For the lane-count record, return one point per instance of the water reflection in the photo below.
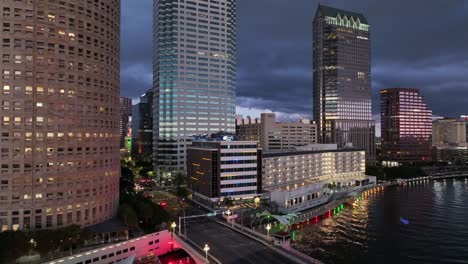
(371, 232)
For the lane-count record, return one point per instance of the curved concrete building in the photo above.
(59, 112)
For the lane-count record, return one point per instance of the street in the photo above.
(229, 246)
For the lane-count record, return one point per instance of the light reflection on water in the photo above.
(372, 232)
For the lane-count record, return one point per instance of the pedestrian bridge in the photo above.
(137, 250)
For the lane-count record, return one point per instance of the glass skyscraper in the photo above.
(194, 78)
(342, 92)
(406, 126)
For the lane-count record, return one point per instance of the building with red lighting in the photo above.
(406, 126)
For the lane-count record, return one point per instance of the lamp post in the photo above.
(268, 227)
(173, 225)
(206, 248)
(228, 213)
(33, 245)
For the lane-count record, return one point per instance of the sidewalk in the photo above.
(292, 254)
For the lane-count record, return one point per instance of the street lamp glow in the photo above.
(206, 248)
(228, 212)
(268, 227)
(173, 225)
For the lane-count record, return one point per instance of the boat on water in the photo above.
(404, 221)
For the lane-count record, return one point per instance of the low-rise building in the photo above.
(277, 136)
(303, 179)
(449, 140)
(448, 131)
(457, 154)
(222, 167)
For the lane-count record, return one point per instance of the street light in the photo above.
(173, 225)
(206, 248)
(33, 245)
(268, 227)
(228, 213)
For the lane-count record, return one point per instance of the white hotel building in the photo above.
(305, 179)
(219, 169)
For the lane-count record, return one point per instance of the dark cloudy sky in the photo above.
(415, 43)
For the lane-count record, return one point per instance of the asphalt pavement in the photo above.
(229, 246)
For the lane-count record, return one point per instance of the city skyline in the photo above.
(273, 59)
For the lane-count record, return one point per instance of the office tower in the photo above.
(276, 136)
(142, 128)
(223, 167)
(125, 114)
(342, 94)
(194, 79)
(406, 126)
(59, 113)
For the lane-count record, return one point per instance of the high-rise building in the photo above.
(342, 68)
(223, 167)
(276, 136)
(406, 126)
(194, 79)
(59, 113)
(142, 128)
(125, 115)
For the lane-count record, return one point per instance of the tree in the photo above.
(13, 245)
(128, 216)
(145, 210)
(127, 181)
(228, 201)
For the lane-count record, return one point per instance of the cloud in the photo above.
(256, 112)
(417, 43)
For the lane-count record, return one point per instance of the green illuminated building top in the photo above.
(343, 18)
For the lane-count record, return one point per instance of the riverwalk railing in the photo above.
(288, 252)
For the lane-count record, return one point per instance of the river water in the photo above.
(372, 231)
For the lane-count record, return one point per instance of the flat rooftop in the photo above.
(305, 152)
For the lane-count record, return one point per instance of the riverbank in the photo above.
(371, 230)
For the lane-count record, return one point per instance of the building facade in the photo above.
(300, 180)
(249, 128)
(223, 169)
(342, 78)
(125, 118)
(464, 118)
(449, 141)
(277, 136)
(454, 154)
(406, 123)
(448, 131)
(194, 78)
(142, 128)
(59, 115)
